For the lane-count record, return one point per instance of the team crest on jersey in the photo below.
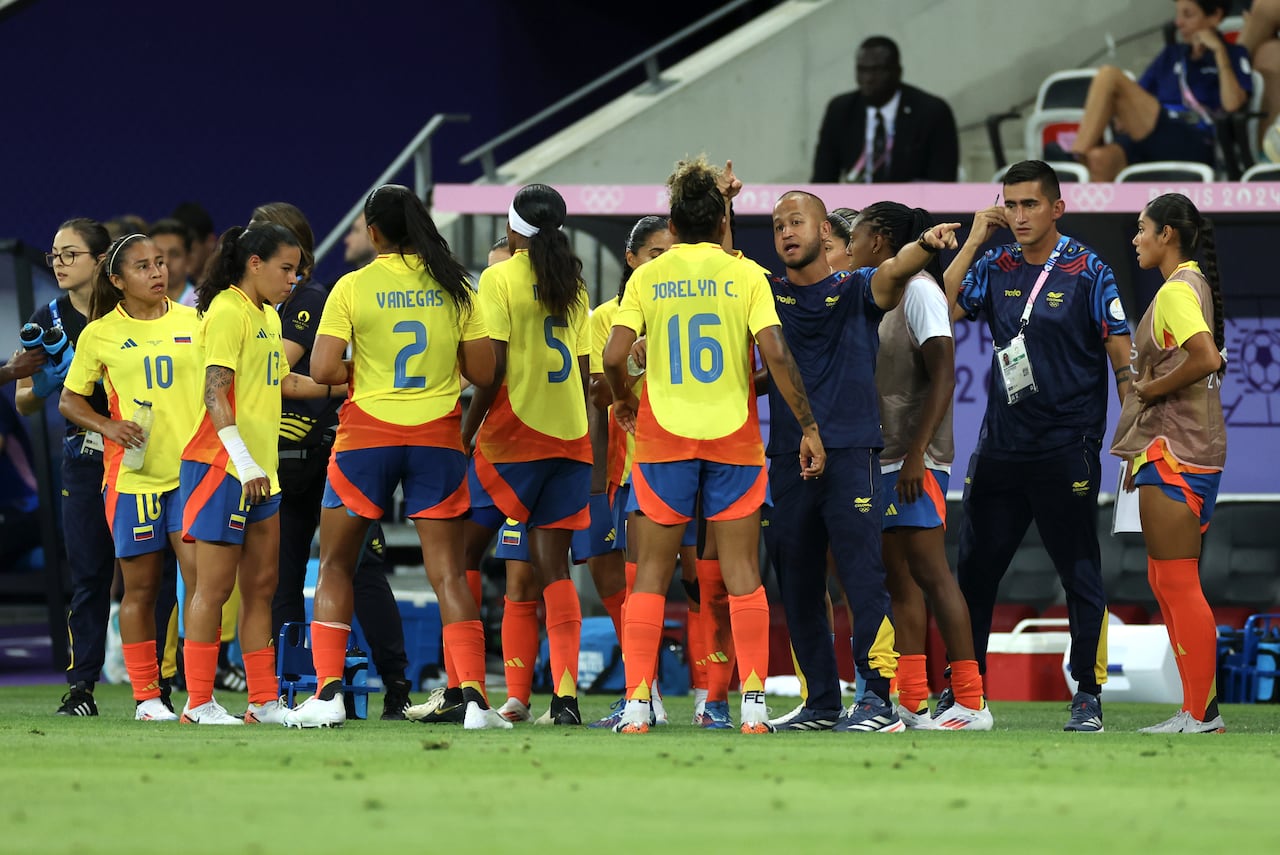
(1080, 488)
(862, 505)
(831, 301)
(1054, 299)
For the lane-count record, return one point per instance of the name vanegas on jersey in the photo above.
(410, 299)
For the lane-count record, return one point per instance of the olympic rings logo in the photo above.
(1091, 197)
(601, 198)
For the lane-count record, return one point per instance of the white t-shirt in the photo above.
(928, 317)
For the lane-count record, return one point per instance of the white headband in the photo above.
(119, 246)
(519, 224)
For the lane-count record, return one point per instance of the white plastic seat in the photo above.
(1166, 170)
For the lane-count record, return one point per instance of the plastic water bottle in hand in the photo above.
(144, 417)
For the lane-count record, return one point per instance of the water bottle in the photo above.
(55, 344)
(31, 336)
(355, 674)
(144, 417)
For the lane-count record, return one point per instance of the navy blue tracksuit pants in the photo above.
(91, 556)
(1060, 492)
(842, 509)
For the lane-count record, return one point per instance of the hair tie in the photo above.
(519, 224)
(120, 244)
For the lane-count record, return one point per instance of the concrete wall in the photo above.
(758, 95)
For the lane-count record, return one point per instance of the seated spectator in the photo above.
(886, 130)
(1167, 114)
(1261, 38)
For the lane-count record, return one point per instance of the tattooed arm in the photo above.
(786, 375)
(217, 391)
(218, 381)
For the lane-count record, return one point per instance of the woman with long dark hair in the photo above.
(533, 455)
(1173, 439)
(411, 322)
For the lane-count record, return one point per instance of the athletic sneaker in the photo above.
(79, 700)
(396, 700)
(231, 678)
(272, 712)
(314, 712)
(754, 713)
(442, 706)
(785, 719)
(657, 712)
(699, 703)
(946, 701)
(1184, 722)
(1169, 725)
(960, 717)
(544, 720)
(515, 710)
(870, 715)
(635, 718)
(715, 716)
(153, 709)
(916, 720)
(1086, 714)
(564, 710)
(479, 715)
(803, 718)
(617, 709)
(208, 713)
(166, 694)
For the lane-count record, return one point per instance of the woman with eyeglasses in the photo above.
(77, 246)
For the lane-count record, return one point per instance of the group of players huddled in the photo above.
(617, 434)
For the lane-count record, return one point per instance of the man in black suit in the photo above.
(886, 131)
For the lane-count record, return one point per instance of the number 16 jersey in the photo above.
(699, 308)
(540, 411)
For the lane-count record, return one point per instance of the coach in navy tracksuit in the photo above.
(831, 322)
(1051, 302)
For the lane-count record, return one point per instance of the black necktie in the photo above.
(876, 169)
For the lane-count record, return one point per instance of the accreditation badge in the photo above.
(1015, 370)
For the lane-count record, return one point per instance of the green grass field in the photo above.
(112, 785)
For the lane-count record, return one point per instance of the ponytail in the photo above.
(404, 221)
(1195, 235)
(1209, 251)
(558, 272)
(230, 257)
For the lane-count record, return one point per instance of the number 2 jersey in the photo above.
(145, 360)
(540, 411)
(405, 330)
(699, 308)
(238, 334)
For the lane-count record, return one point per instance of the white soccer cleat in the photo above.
(753, 714)
(916, 720)
(960, 717)
(514, 710)
(635, 718)
(268, 713)
(658, 716)
(486, 718)
(435, 700)
(1194, 725)
(208, 713)
(153, 709)
(699, 704)
(1173, 724)
(788, 717)
(314, 712)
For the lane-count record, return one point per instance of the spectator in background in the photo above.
(358, 250)
(173, 239)
(1168, 113)
(886, 130)
(125, 224)
(1261, 38)
(203, 237)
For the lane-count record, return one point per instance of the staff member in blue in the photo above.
(1055, 318)
(832, 320)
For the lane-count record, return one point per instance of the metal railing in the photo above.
(655, 84)
(419, 151)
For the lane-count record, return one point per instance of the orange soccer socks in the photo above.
(1192, 630)
(641, 635)
(519, 647)
(564, 635)
(749, 618)
(144, 670)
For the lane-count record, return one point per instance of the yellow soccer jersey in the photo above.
(156, 361)
(699, 307)
(1178, 314)
(601, 325)
(540, 411)
(405, 331)
(237, 334)
(622, 445)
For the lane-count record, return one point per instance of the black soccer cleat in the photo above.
(79, 701)
(396, 700)
(564, 710)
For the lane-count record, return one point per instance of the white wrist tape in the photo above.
(240, 456)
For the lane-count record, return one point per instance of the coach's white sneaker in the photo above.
(960, 717)
(268, 713)
(314, 712)
(208, 713)
(786, 719)
(153, 709)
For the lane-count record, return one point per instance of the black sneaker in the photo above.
(564, 710)
(1086, 714)
(396, 700)
(231, 678)
(79, 701)
(166, 693)
(442, 706)
(946, 701)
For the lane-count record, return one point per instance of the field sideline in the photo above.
(112, 785)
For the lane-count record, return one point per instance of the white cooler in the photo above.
(1140, 665)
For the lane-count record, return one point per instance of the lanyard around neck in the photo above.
(1044, 274)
